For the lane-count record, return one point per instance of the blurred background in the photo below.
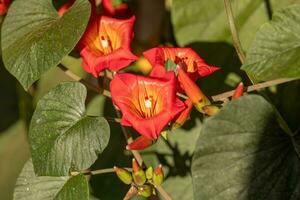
(153, 27)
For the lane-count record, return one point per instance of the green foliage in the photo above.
(30, 187)
(198, 20)
(242, 153)
(35, 38)
(275, 49)
(61, 135)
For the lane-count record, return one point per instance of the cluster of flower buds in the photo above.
(143, 181)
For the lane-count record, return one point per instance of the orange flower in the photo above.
(187, 58)
(106, 44)
(120, 11)
(147, 104)
(4, 4)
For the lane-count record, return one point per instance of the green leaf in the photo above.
(35, 38)
(198, 21)
(61, 135)
(242, 153)
(30, 187)
(275, 50)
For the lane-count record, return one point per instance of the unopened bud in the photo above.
(192, 90)
(238, 91)
(210, 110)
(184, 115)
(135, 165)
(158, 175)
(145, 190)
(165, 134)
(124, 175)
(139, 177)
(149, 173)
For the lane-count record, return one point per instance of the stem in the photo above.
(225, 95)
(235, 37)
(163, 193)
(89, 85)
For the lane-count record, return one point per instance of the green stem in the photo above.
(235, 37)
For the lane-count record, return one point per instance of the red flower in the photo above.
(120, 11)
(4, 4)
(147, 104)
(61, 11)
(187, 58)
(106, 44)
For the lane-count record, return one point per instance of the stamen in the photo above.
(148, 102)
(104, 42)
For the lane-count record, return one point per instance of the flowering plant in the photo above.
(102, 84)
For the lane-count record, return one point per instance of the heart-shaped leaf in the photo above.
(35, 38)
(275, 50)
(242, 153)
(29, 186)
(61, 136)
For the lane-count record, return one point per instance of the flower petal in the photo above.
(147, 104)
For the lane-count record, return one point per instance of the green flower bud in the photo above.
(145, 190)
(149, 173)
(158, 175)
(124, 175)
(139, 177)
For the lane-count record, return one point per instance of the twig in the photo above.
(83, 81)
(101, 171)
(163, 193)
(225, 95)
(234, 33)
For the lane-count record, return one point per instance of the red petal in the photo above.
(128, 89)
(140, 143)
(114, 57)
(195, 66)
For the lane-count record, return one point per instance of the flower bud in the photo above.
(149, 173)
(135, 165)
(145, 190)
(158, 175)
(192, 90)
(210, 110)
(139, 176)
(238, 91)
(184, 115)
(165, 134)
(139, 143)
(123, 175)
